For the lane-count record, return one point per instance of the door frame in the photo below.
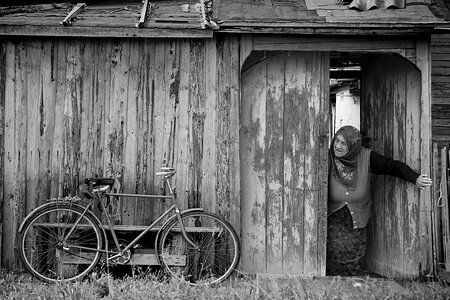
(414, 48)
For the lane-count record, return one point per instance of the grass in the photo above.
(141, 285)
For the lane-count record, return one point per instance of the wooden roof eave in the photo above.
(115, 32)
(330, 28)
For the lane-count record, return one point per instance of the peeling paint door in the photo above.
(390, 114)
(284, 162)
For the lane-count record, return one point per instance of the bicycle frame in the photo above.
(100, 192)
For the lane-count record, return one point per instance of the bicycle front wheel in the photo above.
(214, 255)
(60, 242)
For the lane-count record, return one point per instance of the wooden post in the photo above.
(2, 134)
(425, 227)
(443, 206)
(435, 212)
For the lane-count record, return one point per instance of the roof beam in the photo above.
(77, 9)
(143, 14)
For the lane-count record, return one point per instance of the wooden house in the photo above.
(236, 99)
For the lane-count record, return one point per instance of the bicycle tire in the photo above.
(43, 251)
(215, 260)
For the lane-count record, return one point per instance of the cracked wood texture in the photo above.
(284, 163)
(120, 108)
(390, 112)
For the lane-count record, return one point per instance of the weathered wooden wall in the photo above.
(390, 108)
(76, 108)
(284, 163)
(440, 88)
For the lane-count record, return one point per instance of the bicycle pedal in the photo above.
(137, 246)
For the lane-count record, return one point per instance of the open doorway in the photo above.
(345, 85)
(380, 95)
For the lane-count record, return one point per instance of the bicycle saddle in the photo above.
(99, 181)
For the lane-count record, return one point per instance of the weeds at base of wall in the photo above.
(150, 286)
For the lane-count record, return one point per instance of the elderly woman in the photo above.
(349, 198)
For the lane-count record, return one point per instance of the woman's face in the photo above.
(340, 146)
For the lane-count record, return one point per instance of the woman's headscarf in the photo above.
(346, 168)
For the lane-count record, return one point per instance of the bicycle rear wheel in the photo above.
(47, 249)
(218, 250)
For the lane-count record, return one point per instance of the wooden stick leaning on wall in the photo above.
(435, 213)
(443, 205)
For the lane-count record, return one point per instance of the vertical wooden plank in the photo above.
(57, 169)
(322, 171)
(388, 144)
(12, 156)
(227, 132)
(312, 101)
(382, 206)
(425, 229)
(399, 99)
(234, 161)
(131, 115)
(92, 112)
(170, 80)
(3, 78)
(170, 76)
(317, 80)
(72, 121)
(296, 133)
(144, 209)
(392, 239)
(445, 208)
(15, 150)
(367, 132)
(86, 162)
(102, 71)
(34, 97)
(47, 117)
(371, 95)
(412, 158)
(203, 179)
(226, 138)
(126, 111)
(222, 130)
(213, 88)
(435, 211)
(183, 147)
(116, 131)
(274, 163)
(149, 167)
(94, 166)
(252, 141)
(159, 117)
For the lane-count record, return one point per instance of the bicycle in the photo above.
(63, 240)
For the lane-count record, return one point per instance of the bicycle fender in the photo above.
(44, 206)
(167, 222)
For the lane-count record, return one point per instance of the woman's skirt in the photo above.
(346, 246)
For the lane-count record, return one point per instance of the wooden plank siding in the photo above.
(2, 135)
(120, 108)
(390, 108)
(284, 138)
(249, 144)
(440, 88)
